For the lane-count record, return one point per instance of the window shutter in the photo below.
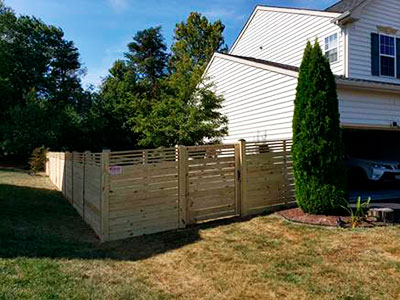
(398, 57)
(375, 54)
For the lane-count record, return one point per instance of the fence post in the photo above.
(238, 179)
(105, 191)
(243, 179)
(182, 186)
(285, 171)
(58, 171)
(85, 158)
(46, 164)
(73, 158)
(64, 176)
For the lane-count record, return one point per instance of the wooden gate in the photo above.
(212, 181)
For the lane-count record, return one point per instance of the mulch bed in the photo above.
(297, 215)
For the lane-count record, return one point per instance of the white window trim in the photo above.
(394, 57)
(337, 47)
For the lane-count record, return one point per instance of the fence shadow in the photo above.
(40, 223)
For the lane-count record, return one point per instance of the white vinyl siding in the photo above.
(258, 103)
(376, 13)
(369, 108)
(282, 36)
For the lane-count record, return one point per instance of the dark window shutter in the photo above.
(398, 57)
(375, 54)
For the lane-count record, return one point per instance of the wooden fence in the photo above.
(130, 193)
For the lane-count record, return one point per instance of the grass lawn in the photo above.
(47, 252)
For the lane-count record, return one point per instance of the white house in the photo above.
(258, 76)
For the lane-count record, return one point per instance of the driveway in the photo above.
(377, 195)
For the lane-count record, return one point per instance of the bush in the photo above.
(318, 149)
(319, 198)
(38, 159)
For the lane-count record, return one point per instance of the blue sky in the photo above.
(101, 29)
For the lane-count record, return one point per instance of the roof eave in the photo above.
(258, 65)
(344, 19)
(371, 86)
(341, 82)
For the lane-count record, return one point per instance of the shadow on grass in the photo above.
(40, 223)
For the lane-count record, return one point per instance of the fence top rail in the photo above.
(74, 152)
(281, 142)
(153, 153)
(205, 147)
(133, 152)
(270, 141)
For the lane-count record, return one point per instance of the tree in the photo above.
(318, 149)
(35, 124)
(180, 108)
(195, 42)
(147, 57)
(188, 112)
(121, 98)
(36, 56)
(42, 100)
(176, 121)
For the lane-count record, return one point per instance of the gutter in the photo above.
(375, 86)
(344, 19)
(343, 16)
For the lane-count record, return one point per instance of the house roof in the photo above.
(266, 62)
(344, 5)
(289, 8)
(274, 66)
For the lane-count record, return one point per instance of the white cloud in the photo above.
(219, 13)
(118, 5)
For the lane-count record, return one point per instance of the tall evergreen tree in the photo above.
(317, 143)
(148, 58)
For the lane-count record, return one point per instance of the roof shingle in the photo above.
(344, 5)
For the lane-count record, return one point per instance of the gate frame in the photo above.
(183, 180)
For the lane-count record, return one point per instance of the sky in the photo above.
(101, 29)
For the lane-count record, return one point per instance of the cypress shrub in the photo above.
(318, 149)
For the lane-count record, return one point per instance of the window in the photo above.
(387, 55)
(331, 48)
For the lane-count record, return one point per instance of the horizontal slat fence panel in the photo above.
(143, 195)
(269, 178)
(211, 182)
(124, 194)
(78, 177)
(92, 193)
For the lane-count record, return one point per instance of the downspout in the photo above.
(346, 51)
(342, 22)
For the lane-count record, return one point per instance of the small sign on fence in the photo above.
(115, 170)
